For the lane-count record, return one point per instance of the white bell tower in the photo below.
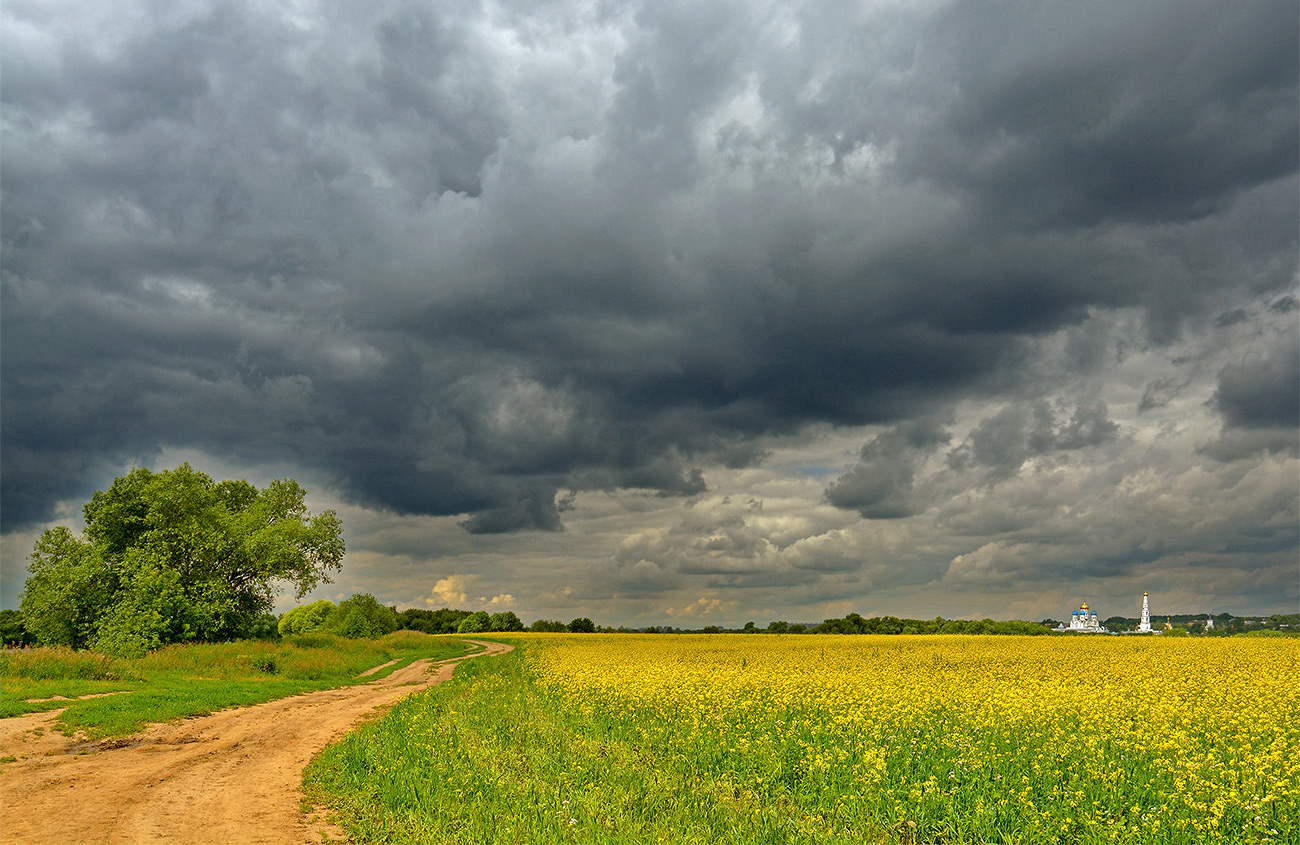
(1144, 627)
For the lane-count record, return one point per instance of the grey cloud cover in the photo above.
(488, 261)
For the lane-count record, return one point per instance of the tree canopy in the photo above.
(443, 621)
(362, 616)
(306, 618)
(174, 556)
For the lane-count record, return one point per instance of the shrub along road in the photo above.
(233, 776)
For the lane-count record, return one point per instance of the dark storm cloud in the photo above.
(1074, 115)
(880, 486)
(460, 259)
(1262, 392)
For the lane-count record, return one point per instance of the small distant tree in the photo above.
(263, 627)
(361, 617)
(582, 625)
(549, 626)
(476, 623)
(12, 630)
(505, 621)
(778, 627)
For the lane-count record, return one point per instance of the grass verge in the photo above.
(488, 757)
(194, 680)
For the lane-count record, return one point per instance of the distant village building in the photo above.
(1144, 627)
(1083, 621)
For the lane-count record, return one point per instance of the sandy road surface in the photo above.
(230, 778)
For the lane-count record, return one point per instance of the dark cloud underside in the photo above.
(462, 259)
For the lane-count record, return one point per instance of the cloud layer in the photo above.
(488, 263)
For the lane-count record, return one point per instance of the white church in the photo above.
(1085, 621)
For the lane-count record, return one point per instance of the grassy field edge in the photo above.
(195, 680)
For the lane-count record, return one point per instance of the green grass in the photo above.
(487, 757)
(194, 680)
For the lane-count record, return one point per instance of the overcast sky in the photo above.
(674, 313)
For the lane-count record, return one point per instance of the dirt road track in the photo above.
(229, 778)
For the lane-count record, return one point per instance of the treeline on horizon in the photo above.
(1225, 624)
(363, 616)
(448, 621)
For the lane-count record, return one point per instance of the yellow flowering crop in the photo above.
(958, 738)
(791, 739)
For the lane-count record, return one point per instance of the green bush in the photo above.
(13, 631)
(306, 619)
(361, 616)
(476, 623)
(505, 621)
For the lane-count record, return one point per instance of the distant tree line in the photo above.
(448, 621)
(855, 623)
(1225, 624)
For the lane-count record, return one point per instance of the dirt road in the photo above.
(229, 778)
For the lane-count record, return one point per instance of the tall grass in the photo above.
(61, 664)
(189, 680)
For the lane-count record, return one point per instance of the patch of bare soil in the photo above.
(232, 777)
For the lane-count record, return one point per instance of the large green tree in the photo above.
(173, 556)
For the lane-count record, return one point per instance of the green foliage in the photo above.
(549, 626)
(857, 624)
(476, 623)
(13, 631)
(505, 621)
(443, 621)
(361, 616)
(264, 626)
(582, 625)
(69, 589)
(306, 618)
(173, 557)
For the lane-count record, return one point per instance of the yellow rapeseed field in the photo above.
(959, 738)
